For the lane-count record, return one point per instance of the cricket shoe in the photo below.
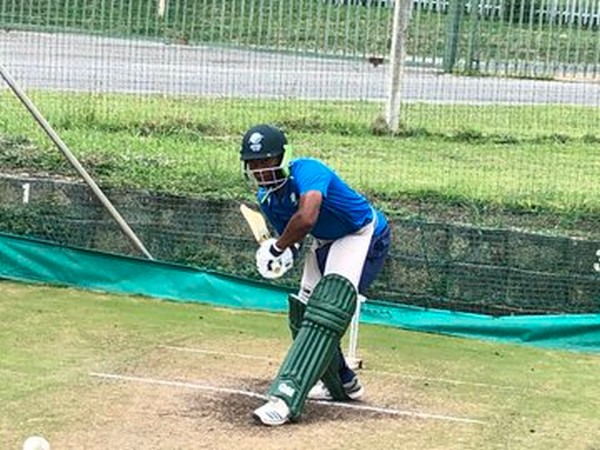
(273, 413)
(353, 388)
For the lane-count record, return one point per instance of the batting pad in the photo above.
(331, 376)
(327, 316)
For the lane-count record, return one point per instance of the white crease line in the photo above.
(383, 372)
(445, 380)
(184, 384)
(211, 352)
(397, 412)
(205, 387)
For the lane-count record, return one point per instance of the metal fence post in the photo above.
(474, 37)
(397, 57)
(452, 35)
(162, 7)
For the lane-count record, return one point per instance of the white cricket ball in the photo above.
(36, 443)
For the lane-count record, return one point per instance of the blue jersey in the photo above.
(343, 210)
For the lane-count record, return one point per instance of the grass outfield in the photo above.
(53, 338)
(515, 159)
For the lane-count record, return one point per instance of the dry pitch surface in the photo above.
(180, 397)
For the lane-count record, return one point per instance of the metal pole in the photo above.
(455, 10)
(474, 38)
(397, 56)
(72, 159)
(162, 7)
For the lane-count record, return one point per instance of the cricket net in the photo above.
(490, 184)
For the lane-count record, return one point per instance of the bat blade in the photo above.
(256, 222)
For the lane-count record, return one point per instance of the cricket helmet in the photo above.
(262, 142)
(265, 142)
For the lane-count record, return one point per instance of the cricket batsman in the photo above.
(351, 240)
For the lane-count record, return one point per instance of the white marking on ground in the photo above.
(444, 380)
(172, 383)
(383, 372)
(221, 390)
(212, 352)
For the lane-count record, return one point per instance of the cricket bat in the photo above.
(256, 222)
(258, 226)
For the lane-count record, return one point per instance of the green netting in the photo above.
(432, 264)
(490, 184)
(37, 261)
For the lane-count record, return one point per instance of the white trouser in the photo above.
(346, 257)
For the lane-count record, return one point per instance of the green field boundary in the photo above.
(37, 261)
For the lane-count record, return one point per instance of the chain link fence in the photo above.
(490, 184)
(536, 38)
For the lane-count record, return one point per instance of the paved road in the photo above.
(88, 63)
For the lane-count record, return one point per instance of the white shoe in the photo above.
(354, 390)
(273, 413)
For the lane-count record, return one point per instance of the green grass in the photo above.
(316, 27)
(494, 157)
(52, 338)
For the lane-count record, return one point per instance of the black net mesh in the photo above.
(491, 182)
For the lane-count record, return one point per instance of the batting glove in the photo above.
(272, 262)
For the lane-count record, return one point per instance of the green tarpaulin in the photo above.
(38, 261)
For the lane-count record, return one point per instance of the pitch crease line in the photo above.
(204, 387)
(383, 372)
(445, 380)
(212, 352)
